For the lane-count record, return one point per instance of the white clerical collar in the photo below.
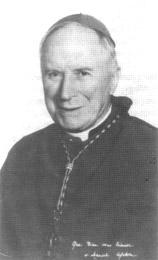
(85, 134)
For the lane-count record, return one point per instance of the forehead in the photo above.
(73, 39)
(71, 30)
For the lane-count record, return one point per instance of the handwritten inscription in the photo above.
(119, 255)
(75, 244)
(106, 245)
(95, 255)
(90, 244)
(122, 254)
(118, 244)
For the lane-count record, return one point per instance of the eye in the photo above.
(53, 74)
(82, 73)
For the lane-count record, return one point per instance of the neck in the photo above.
(85, 134)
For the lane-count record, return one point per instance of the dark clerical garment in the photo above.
(64, 199)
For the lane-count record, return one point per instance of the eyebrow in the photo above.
(49, 69)
(84, 68)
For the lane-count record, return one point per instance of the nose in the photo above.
(66, 88)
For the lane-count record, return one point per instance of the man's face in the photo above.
(76, 78)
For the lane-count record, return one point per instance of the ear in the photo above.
(115, 76)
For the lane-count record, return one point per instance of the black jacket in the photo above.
(109, 210)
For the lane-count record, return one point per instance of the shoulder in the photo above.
(32, 146)
(140, 129)
(40, 135)
(132, 125)
(139, 139)
(37, 138)
(142, 124)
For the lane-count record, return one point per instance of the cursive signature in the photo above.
(122, 254)
(95, 255)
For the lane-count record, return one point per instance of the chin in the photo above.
(75, 128)
(71, 127)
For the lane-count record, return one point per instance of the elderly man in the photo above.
(85, 186)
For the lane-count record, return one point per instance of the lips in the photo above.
(69, 108)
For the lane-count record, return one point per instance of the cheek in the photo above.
(49, 95)
(96, 91)
(98, 98)
(49, 90)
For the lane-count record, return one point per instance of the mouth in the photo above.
(69, 109)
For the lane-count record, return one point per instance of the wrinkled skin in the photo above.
(76, 77)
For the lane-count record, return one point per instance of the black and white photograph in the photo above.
(79, 137)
